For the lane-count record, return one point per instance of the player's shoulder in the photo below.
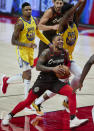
(19, 24)
(19, 21)
(49, 11)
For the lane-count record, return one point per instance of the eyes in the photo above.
(27, 10)
(59, 3)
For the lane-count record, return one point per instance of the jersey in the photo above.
(70, 36)
(53, 61)
(27, 35)
(55, 19)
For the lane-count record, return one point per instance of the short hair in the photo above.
(66, 7)
(25, 4)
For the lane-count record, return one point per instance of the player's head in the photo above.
(26, 9)
(58, 42)
(58, 5)
(66, 8)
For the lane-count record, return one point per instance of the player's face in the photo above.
(27, 11)
(58, 42)
(58, 4)
(70, 19)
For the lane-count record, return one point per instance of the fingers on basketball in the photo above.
(66, 73)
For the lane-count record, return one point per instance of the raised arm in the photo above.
(80, 10)
(70, 12)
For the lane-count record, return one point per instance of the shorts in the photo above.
(42, 46)
(40, 86)
(24, 65)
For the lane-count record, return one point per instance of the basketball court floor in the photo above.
(54, 118)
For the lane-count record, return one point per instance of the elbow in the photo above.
(12, 41)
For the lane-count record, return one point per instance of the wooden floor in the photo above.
(15, 93)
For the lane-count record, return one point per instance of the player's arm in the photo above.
(63, 20)
(41, 62)
(42, 24)
(86, 68)
(42, 37)
(85, 71)
(15, 36)
(80, 10)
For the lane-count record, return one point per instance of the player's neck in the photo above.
(57, 51)
(26, 18)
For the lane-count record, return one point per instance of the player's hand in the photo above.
(55, 27)
(81, 0)
(79, 86)
(58, 69)
(30, 45)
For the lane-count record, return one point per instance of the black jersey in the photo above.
(55, 19)
(53, 61)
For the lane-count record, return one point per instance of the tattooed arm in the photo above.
(44, 57)
(41, 61)
(15, 37)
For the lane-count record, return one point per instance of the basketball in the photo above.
(66, 74)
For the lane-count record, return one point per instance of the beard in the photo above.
(28, 16)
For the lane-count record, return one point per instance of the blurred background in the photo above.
(13, 8)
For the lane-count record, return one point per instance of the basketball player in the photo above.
(24, 39)
(68, 30)
(49, 63)
(49, 23)
(85, 71)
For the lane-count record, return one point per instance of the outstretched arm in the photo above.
(80, 10)
(70, 12)
(85, 71)
(42, 37)
(86, 68)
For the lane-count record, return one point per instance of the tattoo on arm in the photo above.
(15, 37)
(44, 57)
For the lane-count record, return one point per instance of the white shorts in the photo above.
(24, 65)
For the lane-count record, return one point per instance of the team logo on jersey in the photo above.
(30, 34)
(71, 38)
(52, 61)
